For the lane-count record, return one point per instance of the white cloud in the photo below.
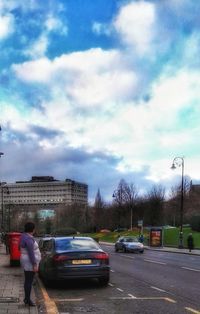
(93, 96)
(39, 48)
(89, 78)
(6, 25)
(135, 24)
(54, 24)
(99, 28)
(100, 79)
(34, 71)
(11, 115)
(8, 5)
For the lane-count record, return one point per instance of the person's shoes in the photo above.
(25, 302)
(31, 303)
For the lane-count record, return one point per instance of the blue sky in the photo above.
(97, 91)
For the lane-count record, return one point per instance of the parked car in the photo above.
(129, 244)
(73, 258)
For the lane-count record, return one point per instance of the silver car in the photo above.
(129, 244)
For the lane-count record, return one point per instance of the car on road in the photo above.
(129, 244)
(73, 257)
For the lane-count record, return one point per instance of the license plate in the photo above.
(81, 261)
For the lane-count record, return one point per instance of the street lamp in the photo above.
(179, 162)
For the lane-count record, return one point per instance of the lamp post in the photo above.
(179, 162)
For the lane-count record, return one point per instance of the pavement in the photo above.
(12, 280)
(174, 250)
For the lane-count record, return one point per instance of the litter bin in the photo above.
(14, 238)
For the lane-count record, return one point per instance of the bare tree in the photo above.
(154, 212)
(131, 198)
(125, 197)
(99, 207)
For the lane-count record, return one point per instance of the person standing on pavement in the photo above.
(29, 259)
(190, 242)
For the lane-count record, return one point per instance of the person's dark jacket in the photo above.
(190, 242)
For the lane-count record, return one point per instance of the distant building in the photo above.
(42, 192)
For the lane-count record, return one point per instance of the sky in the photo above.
(99, 91)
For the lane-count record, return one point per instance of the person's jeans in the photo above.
(29, 275)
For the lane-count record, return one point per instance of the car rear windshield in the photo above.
(131, 240)
(75, 244)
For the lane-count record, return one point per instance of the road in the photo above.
(153, 282)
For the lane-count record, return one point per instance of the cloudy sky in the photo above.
(97, 91)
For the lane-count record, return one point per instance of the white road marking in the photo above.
(132, 296)
(111, 285)
(192, 269)
(158, 289)
(192, 310)
(121, 298)
(151, 261)
(144, 298)
(112, 271)
(170, 300)
(120, 290)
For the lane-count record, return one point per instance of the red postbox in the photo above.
(13, 240)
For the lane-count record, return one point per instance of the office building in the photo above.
(42, 193)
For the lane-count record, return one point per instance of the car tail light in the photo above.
(102, 256)
(60, 258)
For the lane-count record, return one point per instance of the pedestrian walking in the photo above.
(29, 259)
(141, 238)
(190, 242)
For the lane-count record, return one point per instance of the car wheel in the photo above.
(116, 249)
(103, 281)
(141, 252)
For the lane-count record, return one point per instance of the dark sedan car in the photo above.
(73, 258)
(129, 244)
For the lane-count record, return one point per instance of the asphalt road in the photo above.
(153, 282)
